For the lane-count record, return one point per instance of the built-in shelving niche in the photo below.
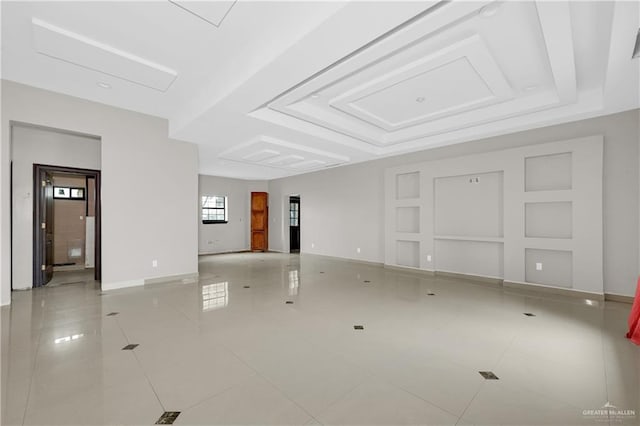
(408, 219)
(499, 214)
(469, 205)
(470, 257)
(549, 219)
(408, 253)
(557, 267)
(548, 172)
(408, 186)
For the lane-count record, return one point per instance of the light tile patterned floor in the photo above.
(222, 353)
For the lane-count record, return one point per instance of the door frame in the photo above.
(38, 234)
(265, 224)
(288, 205)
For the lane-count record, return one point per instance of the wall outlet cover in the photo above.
(538, 266)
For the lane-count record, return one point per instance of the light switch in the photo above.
(428, 258)
(538, 266)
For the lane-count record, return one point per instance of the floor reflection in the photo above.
(294, 282)
(215, 296)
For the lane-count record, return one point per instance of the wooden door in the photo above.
(259, 221)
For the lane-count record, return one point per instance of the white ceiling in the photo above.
(271, 89)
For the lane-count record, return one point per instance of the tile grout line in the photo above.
(484, 382)
(372, 374)
(140, 366)
(604, 366)
(461, 418)
(270, 383)
(34, 364)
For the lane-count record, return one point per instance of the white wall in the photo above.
(149, 184)
(234, 235)
(473, 221)
(38, 146)
(342, 208)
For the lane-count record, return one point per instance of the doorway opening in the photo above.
(294, 224)
(67, 219)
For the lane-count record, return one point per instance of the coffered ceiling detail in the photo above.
(271, 152)
(269, 89)
(434, 75)
(77, 49)
(212, 12)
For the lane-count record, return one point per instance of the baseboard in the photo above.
(410, 270)
(612, 297)
(343, 259)
(492, 281)
(184, 278)
(540, 288)
(499, 282)
(213, 253)
(121, 284)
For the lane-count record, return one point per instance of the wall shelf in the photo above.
(465, 238)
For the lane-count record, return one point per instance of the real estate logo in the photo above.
(610, 413)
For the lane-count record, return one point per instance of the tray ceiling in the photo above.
(271, 89)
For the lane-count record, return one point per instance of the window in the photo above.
(214, 209)
(294, 214)
(66, 193)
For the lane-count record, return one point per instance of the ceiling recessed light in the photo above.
(490, 9)
(530, 88)
(420, 99)
(103, 85)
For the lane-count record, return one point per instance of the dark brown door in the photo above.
(45, 221)
(259, 221)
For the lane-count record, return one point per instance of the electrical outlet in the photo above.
(154, 263)
(428, 258)
(313, 245)
(358, 250)
(538, 266)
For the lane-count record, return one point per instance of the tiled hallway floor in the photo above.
(230, 350)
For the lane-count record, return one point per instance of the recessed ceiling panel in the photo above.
(212, 12)
(261, 155)
(271, 152)
(444, 89)
(436, 75)
(65, 45)
(285, 160)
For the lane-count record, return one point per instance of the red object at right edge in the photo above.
(634, 318)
